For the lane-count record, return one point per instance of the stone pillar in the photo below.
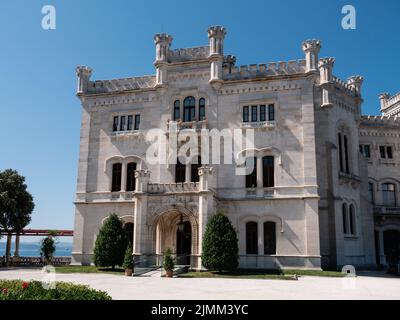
(216, 35)
(84, 73)
(381, 243)
(312, 232)
(355, 82)
(188, 172)
(142, 179)
(260, 180)
(311, 49)
(206, 205)
(163, 42)
(16, 252)
(123, 177)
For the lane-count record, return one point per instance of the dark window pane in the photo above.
(382, 152)
(389, 194)
(202, 109)
(251, 238)
(246, 114)
(344, 216)
(268, 171)
(115, 123)
(251, 179)
(253, 113)
(130, 176)
(137, 121)
(180, 172)
(340, 152)
(269, 238)
(352, 220)
(367, 151)
(271, 112)
(189, 109)
(371, 192)
(346, 154)
(262, 113)
(122, 124)
(129, 227)
(389, 152)
(129, 125)
(177, 110)
(195, 170)
(116, 177)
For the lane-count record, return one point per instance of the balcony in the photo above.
(259, 125)
(350, 179)
(185, 187)
(180, 125)
(381, 209)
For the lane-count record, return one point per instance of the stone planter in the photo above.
(170, 273)
(128, 272)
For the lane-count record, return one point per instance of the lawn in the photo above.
(88, 269)
(261, 274)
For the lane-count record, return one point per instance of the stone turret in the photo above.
(163, 42)
(325, 69)
(216, 36)
(84, 73)
(390, 105)
(311, 49)
(229, 62)
(355, 82)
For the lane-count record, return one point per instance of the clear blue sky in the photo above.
(40, 115)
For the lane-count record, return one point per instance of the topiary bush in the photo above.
(220, 245)
(48, 248)
(33, 290)
(111, 243)
(128, 260)
(169, 263)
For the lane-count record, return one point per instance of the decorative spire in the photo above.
(311, 49)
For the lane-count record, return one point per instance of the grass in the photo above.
(261, 274)
(88, 269)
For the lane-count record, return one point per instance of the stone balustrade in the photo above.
(156, 188)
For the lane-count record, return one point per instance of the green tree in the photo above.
(16, 205)
(111, 243)
(48, 247)
(169, 263)
(128, 259)
(220, 244)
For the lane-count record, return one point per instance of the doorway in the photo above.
(184, 244)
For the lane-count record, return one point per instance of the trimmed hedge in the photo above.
(33, 290)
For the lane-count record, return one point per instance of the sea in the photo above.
(32, 249)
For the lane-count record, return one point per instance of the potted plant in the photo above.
(168, 263)
(129, 262)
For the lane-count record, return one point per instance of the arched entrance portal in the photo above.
(177, 230)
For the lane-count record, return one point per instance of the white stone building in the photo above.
(288, 212)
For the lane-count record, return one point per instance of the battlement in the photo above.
(346, 86)
(390, 105)
(264, 70)
(115, 85)
(189, 54)
(381, 121)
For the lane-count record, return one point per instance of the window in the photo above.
(269, 237)
(246, 114)
(268, 171)
(251, 238)
(189, 109)
(253, 113)
(344, 215)
(262, 113)
(371, 193)
(346, 154)
(130, 176)
(389, 194)
(386, 152)
(122, 124)
(137, 121)
(340, 152)
(128, 228)
(180, 172)
(116, 177)
(365, 150)
(271, 112)
(129, 125)
(251, 179)
(177, 110)
(202, 109)
(352, 220)
(195, 170)
(115, 123)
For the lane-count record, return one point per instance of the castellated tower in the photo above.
(163, 42)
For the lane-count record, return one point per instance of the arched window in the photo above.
(269, 237)
(251, 238)
(130, 176)
(346, 154)
(389, 194)
(340, 143)
(195, 170)
(128, 227)
(116, 177)
(180, 172)
(352, 220)
(268, 171)
(177, 110)
(202, 109)
(344, 216)
(251, 179)
(371, 192)
(344, 157)
(189, 109)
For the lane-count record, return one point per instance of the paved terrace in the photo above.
(366, 286)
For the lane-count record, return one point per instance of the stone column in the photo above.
(326, 79)
(206, 205)
(16, 252)
(260, 182)
(163, 42)
(84, 73)
(216, 35)
(188, 172)
(311, 49)
(123, 177)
